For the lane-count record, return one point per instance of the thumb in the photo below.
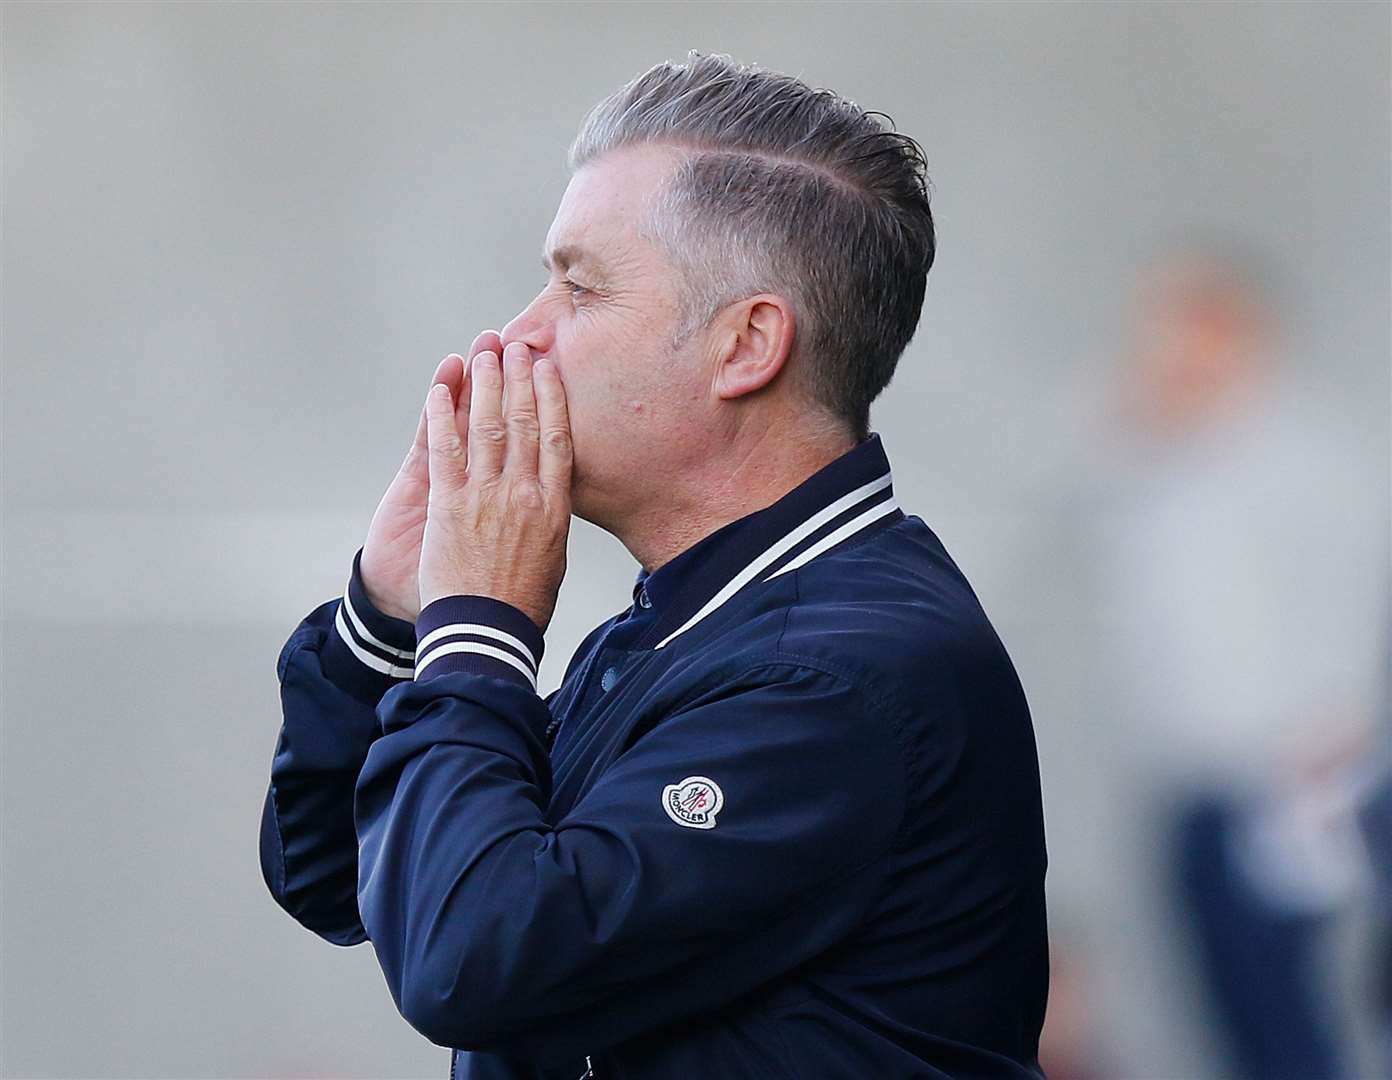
(447, 451)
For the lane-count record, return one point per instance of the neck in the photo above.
(750, 476)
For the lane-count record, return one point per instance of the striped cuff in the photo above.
(478, 635)
(368, 652)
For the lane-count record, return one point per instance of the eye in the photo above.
(575, 290)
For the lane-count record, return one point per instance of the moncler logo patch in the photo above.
(693, 802)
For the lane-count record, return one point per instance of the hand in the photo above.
(499, 503)
(391, 555)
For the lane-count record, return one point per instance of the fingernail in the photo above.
(440, 390)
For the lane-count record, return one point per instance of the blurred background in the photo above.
(1146, 409)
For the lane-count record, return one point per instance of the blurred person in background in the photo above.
(1246, 578)
(1375, 825)
(1069, 1046)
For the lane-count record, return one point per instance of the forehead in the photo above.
(597, 220)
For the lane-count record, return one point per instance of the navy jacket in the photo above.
(781, 819)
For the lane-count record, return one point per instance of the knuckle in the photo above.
(526, 497)
(447, 447)
(491, 432)
(558, 439)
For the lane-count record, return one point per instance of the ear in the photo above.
(754, 344)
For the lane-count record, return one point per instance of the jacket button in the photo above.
(643, 600)
(609, 678)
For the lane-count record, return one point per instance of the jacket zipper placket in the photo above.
(553, 729)
(553, 732)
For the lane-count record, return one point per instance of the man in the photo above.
(782, 817)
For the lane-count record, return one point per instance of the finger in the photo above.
(461, 404)
(556, 456)
(489, 341)
(486, 431)
(447, 371)
(519, 411)
(446, 447)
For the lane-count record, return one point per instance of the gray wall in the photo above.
(237, 239)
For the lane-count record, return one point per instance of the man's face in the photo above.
(606, 317)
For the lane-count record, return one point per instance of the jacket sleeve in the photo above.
(333, 671)
(742, 835)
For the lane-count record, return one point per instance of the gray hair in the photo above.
(784, 189)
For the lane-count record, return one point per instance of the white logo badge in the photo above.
(694, 802)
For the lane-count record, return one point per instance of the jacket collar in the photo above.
(845, 498)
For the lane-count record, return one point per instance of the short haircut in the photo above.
(784, 189)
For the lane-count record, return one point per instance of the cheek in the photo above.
(616, 378)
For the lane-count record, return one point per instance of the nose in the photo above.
(531, 327)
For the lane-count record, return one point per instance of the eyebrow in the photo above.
(571, 254)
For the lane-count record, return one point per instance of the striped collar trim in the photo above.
(840, 501)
